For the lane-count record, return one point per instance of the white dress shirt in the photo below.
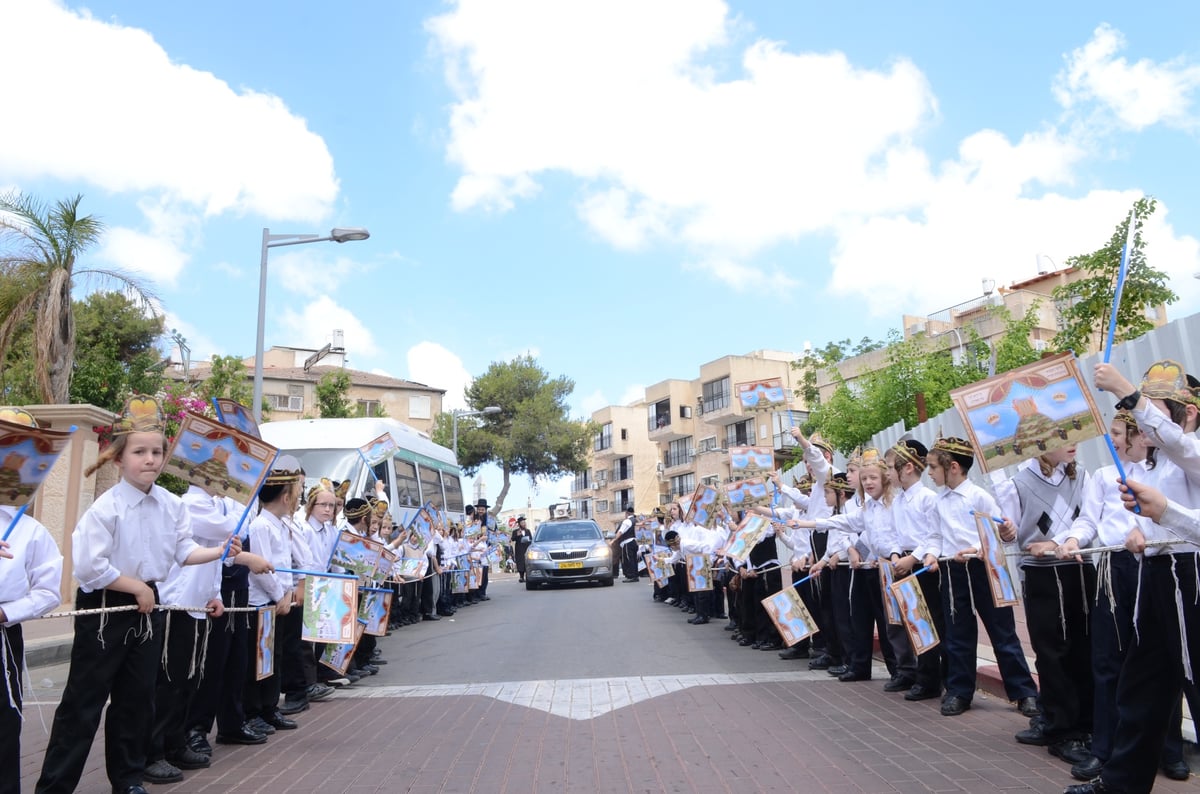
(1103, 519)
(29, 581)
(213, 519)
(914, 512)
(269, 540)
(130, 533)
(955, 528)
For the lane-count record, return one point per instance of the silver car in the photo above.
(568, 550)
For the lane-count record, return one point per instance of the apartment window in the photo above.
(285, 402)
(660, 415)
(622, 499)
(740, 434)
(710, 480)
(623, 468)
(683, 484)
(601, 505)
(369, 407)
(715, 395)
(707, 444)
(680, 452)
(583, 481)
(603, 439)
(624, 434)
(419, 407)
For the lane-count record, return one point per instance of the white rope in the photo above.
(1183, 639)
(132, 607)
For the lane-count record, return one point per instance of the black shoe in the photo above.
(293, 706)
(1029, 706)
(521, 578)
(369, 669)
(1176, 770)
(730, 626)
(259, 725)
(837, 670)
(1094, 787)
(197, 742)
(721, 616)
(244, 736)
(898, 684)
(485, 598)
(773, 645)
(430, 617)
(187, 758)
(919, 692)
(850, 675)
(699, 620)
(1033, 735)
(1087, 770)
(318, 692)
(745, 642)
(161, 771)
(447, 613)
(280, 722)
(822, 662)
(628, 579)
(794, 652)
(134, 789)
(953, 705)
(1073, 751)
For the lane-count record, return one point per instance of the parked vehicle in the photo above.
(413, 469)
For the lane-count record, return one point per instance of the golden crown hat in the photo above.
(381, 507)
(855, 458)
(907, 454)
(342, 490)
(355, 513)
(324, 484)
(818, 441)
(140, 414)
(840, 484)
(1165, 380)
(804, 484)
(17, 416)
(284, 471)
(870, 457)
(953, 445)
(1127, 418)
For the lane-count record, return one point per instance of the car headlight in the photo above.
(534, 554)
(600, 550)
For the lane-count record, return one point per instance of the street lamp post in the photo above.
(337, 235)
(961, 348)
(454, 414)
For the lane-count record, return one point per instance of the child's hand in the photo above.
(4, 552)
(285, 604)
(1135, 541)
(235, 546)
(1043, 548)
(966, 554)
(1068, 549)
(1008, 531)
(215, 607)
(145, 598)
(255, 563)
(931, 562)
(903, 567)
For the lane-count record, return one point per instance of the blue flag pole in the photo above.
(16, 520)
(1121, 274)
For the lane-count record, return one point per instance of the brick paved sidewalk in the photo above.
(796, 732)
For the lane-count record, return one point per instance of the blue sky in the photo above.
(599, 183)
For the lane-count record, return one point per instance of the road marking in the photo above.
(582, 698)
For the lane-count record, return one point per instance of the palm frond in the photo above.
(19, 313)
(135, 288)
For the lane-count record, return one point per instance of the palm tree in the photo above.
(39, 248)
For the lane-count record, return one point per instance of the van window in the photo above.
(454, 495)
(431, 486)
(406, 483)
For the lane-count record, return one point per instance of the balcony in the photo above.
(719, 408)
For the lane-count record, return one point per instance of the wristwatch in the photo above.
(1130, 402)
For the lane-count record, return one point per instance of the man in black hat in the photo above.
(627, 543)
(521, 538)
(487, 525)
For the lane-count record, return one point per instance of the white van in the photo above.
(414, 471)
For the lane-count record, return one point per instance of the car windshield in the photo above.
(567, 530)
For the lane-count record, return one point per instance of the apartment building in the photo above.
(677, 437)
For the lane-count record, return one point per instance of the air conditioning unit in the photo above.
(1039, 345)
(691, 452)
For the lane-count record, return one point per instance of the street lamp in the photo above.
(338, 235)
(961, 350)
(454, 414)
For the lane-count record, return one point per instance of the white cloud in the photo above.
(152, 124)
(632, 393)
(663, 149)
(312, 272)
(590, 403)
(1139, 94)
(313, 325)
(202, 347)
(434, 365)
(741, 278)
(231, 270)
(142, 254)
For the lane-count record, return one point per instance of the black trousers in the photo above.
(764, 585)
(261, 698)
(119, 660)
(1112, 635)
(629, 561)
(867, 617)
(176, 685)
(1056, 611)
(839, 610)
(931, 665)
(1153, 673)
(483, 579)
(295, 657)
(219, 692)
(10, 717)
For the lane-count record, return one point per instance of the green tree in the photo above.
(332, 389)
(227, 378)
(38, 259)
(1086, 304)
(116, 352)
(532, 435)
(1014, 349)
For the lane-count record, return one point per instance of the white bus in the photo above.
(416, 471)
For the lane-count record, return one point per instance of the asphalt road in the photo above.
(568, 632)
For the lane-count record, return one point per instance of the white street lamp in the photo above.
(958, 359)
(340, 234)
(454, 414)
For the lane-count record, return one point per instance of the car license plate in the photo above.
(570, 565)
